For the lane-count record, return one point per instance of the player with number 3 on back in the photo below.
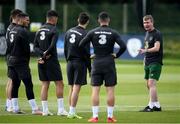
(48, 65)
(103, 39)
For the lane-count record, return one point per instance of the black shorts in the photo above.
(19, 71)
(76, 72)
(103, 69)
(50, 71)
(8, 72)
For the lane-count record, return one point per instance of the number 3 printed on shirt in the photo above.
(102, 39)
(11, 38)
(42, 37)
(72, 39)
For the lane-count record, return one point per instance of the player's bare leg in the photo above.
(70, 94)
(44, 97)
(110, 103)
(95, 103)
(8, 95)
(73, 101)
(153, 95)
(60, 99)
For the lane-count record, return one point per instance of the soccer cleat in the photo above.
(47, 113)
(93, 120)
(111, 120)
(63, 113)
(18, 112)
(157, 109)
(37, 112)
(147, 109)
(72, 116)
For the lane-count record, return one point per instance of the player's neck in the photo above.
(151, 29)
(104, 24)
(83, 26)
(50, 22)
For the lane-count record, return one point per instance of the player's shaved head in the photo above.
(103, 16)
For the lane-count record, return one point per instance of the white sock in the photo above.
(110, 111)
(72, 110)
(33, 104)
(151, 104)
(44, 106)
(157, 104)
(60, 105)
(8, 103)
(95, 110)
(15, 104)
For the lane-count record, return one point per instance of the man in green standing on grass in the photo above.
(153, 51)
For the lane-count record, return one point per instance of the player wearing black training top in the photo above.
(153, 51)
(77, 61)
(19, 56)
(14, 20)
(103, 39)
(48, 65)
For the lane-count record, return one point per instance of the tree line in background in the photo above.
(89, 1)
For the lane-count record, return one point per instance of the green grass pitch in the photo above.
(131, 96)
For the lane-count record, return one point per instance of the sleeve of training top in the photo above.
(36, 46)
(158, 37)
(65, 46)
(85, 40)
(7, 42)
(122, 45)
(53, 42)
(25, 43)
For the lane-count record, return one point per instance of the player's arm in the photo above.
(151, 50)
(87, 57)
(122, 45)
(53, 43)
(157, 45)
(85, 40)
(65, 46)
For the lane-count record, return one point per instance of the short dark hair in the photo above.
(51, 13)
(83, 18)
(14, 13)
(103, 16)
(22, 15)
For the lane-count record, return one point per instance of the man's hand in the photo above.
(92, 56)
(40, 61)
(48, 56)
(114, 55)
(141, 51)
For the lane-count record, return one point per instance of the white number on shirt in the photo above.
(11, 38)
(102, 39)
(72, 39)
(42, 37)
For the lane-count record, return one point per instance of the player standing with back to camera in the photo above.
(77, 61)
(103, 39)
(14, 21)
(19, 57)
(48, 65)
(153, 51)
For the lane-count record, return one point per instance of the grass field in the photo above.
(131, 96)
